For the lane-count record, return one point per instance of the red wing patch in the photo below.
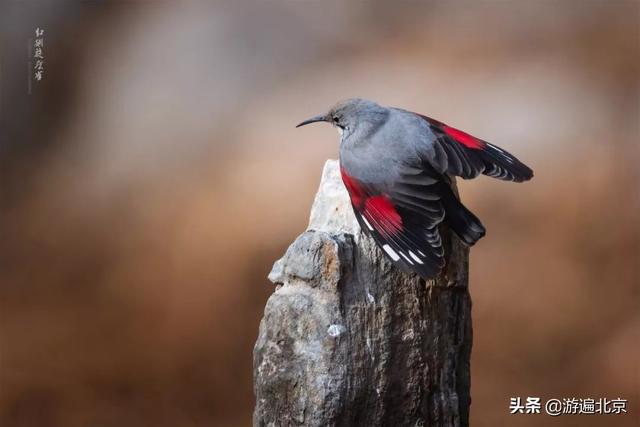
(457, 135)
(355, 190)
(463, 138)
(380, 210)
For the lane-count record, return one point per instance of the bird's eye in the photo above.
(335, 119)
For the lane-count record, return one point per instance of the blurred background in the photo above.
(152, 177)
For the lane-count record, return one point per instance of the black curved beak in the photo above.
(319, 118)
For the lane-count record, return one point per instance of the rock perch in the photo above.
(348, 340)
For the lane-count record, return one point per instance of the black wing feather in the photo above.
(468, 161)
(417, 246)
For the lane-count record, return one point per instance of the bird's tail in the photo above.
(461, 220)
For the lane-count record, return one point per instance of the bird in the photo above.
(397, 167)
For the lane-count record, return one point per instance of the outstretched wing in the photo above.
(464, 155)
(402, 218)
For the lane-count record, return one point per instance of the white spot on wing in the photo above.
(495, 148)
(406, 258)
(366, 222)
(394, 256)
(414, 256)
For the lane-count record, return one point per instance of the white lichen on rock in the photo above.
(336, 330)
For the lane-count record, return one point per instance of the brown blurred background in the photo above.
(149, 181)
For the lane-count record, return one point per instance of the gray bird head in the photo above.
(351, 114)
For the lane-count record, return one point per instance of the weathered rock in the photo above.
(348, 340)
